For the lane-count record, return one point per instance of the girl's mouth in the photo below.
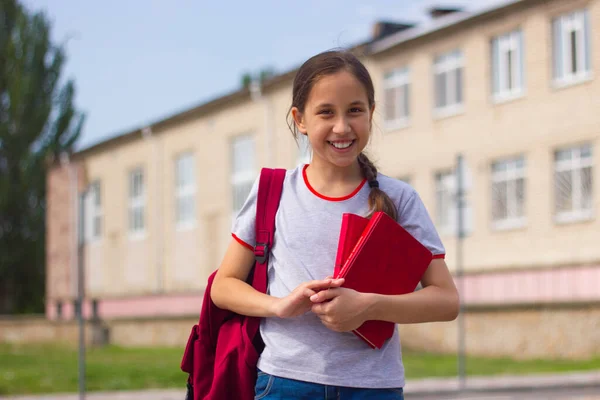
(342, 144)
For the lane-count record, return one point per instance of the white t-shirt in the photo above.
(307, 230)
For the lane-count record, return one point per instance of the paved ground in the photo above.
(576, 386)
(536, 394)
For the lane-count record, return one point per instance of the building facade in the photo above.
(512, 90)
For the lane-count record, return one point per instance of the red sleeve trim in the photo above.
(442, 256)
(240, 241)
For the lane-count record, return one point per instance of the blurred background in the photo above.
(131, 133)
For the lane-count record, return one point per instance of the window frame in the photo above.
(451, 64)
(575, 164)
(241, 177)
(185, 190)
(563, 26)
(501, 46)
(512, 173)
(398, 79)
(136, 203)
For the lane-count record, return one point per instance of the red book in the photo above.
(386, 259)
(352, 227)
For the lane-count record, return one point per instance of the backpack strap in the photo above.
(270, 187)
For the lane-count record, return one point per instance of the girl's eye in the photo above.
(324, 112)
(356, 109)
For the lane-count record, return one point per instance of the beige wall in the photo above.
(174, 261)
(521, 333)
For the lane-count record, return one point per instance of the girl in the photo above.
(310, 352)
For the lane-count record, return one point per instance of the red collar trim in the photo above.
(330, 198)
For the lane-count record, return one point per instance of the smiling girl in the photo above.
(310, 352)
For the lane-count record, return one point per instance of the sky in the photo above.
(135, 62)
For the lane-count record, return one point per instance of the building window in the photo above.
(507, 65)
(508, 193)
(304, 152)
(185, 191)
(397, 98)
(572, 50)
(573, 183)
(448, 77)
(243, 170)
(447, 205)
(136, 202)
(94, 212)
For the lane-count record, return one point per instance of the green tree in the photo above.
(262, 75)
(38, 122)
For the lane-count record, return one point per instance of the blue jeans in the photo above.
(269, 387)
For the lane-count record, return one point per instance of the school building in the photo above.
(514, 89)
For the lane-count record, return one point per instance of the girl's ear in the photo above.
(299, 120)
(372, 112)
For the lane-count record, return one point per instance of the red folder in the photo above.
(385, 259)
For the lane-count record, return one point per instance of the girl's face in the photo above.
(336, 119)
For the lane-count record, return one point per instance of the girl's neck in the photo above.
(332, 180)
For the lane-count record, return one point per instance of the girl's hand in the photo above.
(341, 309)
(298, 302)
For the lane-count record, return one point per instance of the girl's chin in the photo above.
(342, 162)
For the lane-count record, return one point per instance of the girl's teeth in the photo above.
(341, 145)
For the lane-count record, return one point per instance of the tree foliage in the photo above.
(38, 122)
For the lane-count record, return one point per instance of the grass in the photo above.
(54, 369)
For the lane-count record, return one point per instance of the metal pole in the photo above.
(459, 270)
(80, 295)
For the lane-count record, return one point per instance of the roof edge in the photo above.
(439, 24)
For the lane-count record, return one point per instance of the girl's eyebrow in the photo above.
(354, 103)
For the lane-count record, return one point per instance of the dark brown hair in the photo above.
(328, 63)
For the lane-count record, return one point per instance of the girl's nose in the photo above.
(341, 125)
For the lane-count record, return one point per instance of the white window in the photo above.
(243, 170)
(447, 205)
(185, 191)
(448, 78)
(573, 183)
(397, 98)
(304, 152)
(572, 54)
(136, 202)
(508, 193)
(94, 212)
(507, 65)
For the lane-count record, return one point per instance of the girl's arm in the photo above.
(437, 301)
(230, 290)
(348, 309)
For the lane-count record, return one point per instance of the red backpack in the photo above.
(223, 348)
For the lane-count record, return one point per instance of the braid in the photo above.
(378, 199)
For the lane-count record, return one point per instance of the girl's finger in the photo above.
(337, 282)
(318, 309)
(325, 295)
(319, 284)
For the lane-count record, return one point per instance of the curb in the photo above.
(504, 383)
